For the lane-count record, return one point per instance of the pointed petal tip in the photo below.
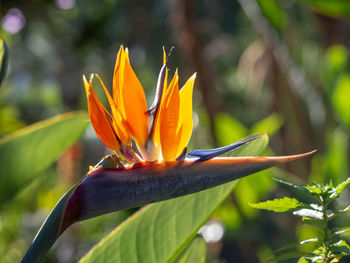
(91, 77)
(289, 158)
(164, 56)
(205, 155)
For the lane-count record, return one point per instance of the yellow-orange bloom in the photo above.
(160, 133)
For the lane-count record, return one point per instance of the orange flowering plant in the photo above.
(150, 164)
(162, 138)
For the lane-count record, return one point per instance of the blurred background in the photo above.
(280, 66)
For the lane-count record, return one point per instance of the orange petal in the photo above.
(116, 76)
(186, 113)
(135, 105)
(119, 123)
(130, 98)
(164, 56)
(100, 118)
(169, 121)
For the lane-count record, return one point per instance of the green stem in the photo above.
(325, 236)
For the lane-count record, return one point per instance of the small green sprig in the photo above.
(312, 203)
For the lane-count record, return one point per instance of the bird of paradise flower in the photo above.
(155, 168)
(160, 133)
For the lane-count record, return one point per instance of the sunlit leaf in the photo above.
(337, 190)
(270, 124)
(10, 120)
(228, 129)
(332, 8)
(340, 247)
(342, 231)
(314, 188)
(249, 149)
(29, 151)
(273, 13)
(336, 57)
(285, 204)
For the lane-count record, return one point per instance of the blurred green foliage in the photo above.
(28, 152)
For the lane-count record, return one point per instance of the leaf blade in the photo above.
(285, 204)
(195, 252)
(29, 151)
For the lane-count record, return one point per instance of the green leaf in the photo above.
(270, 124)
(336, 58)
(51, 228)
(159, 232)
(3, 59)
(29, 151)
(256, 146)
(195, 252)
(285, 204)
(273, 13)
(228, 129)
(342, 231)
(340, 247)
(163, 229)
(337, 190)
(302, 193)
(332, 8)
(314, 188)
(10, 120)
